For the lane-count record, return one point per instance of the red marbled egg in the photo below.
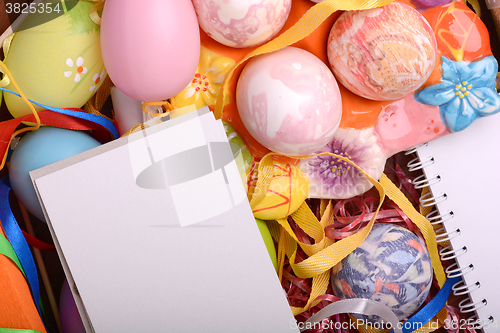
(382, 53)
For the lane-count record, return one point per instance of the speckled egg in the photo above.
(392, 266)
(242, 23)
(382, 53)
(289, 101)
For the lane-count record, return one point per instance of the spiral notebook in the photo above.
(463, 174)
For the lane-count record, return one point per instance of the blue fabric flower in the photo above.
(465, 93)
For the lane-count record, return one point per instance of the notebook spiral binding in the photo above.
(436, 217)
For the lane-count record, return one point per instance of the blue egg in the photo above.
(37, 149)
(392, 266)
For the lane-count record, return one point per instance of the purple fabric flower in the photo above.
(421, 4)
(331, 177)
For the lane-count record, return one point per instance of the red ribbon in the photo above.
(36, 243)
(55, 119)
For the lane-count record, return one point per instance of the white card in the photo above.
(159, 239)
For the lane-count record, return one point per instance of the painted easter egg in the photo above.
(268, 241)
(382, 53)
(288, 189)
(242, 23)
(150, 48)
(392, 266)
(37, 149)
(289, 101)
(71, 322)
(57, 63)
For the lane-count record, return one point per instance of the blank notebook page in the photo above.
(468, 164)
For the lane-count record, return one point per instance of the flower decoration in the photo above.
(466, 92)
(204, 87)
(79, 68)
(97, 78)
(332, 177)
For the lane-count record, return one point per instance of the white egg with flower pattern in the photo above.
(289, 101)
(242, 23)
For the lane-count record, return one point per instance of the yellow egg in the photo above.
(57, 63)
(287, 191)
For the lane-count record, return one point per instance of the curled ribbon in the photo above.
(94, 11)
(4, 82)
(354, 305)
(166, 104)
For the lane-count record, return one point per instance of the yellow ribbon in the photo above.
(6, 46)
(305, 219)
(95, 104)
(475, 5)
(166, 104)
(325, 253)
(420, 221)
(135, 128)
(304, 27)
(94, 11)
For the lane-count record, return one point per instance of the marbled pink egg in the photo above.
(242, 23)
(382, 53)
(289, 101)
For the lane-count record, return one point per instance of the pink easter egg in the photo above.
(289, 101)
(150, 48)
(242, 23)
(383, 53)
